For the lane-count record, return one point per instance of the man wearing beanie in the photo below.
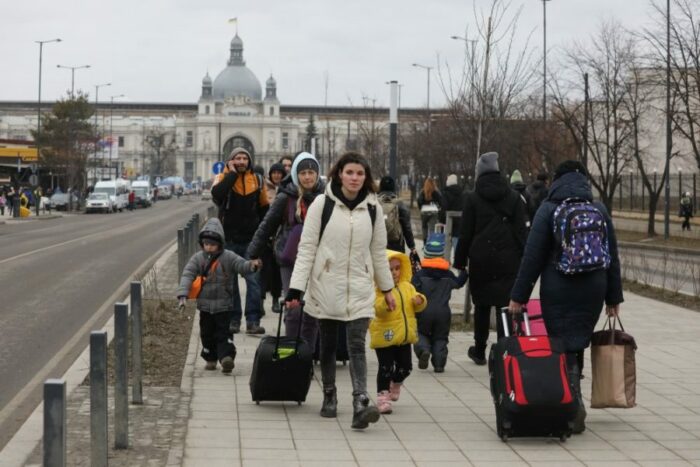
(452, 201)
(397, 218)
(491, 244)
(242, 200)
(516, 183)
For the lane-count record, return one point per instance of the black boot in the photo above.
(580, 418)
(477, 353)
(329, 409)
(363, 413)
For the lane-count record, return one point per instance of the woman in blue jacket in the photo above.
(571, 303)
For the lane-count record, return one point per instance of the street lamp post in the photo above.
(427, 106)
(544, 59)
(111, 137)
(471, 45)
(72, 75)
(97, 91)
(38, 119)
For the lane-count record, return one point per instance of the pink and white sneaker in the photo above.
(384, 402)
(394, 391)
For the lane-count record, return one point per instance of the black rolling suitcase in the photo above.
(530, 385)
(282, 368)
(341, 351)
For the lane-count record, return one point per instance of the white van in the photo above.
(118, 191)
(144, 193)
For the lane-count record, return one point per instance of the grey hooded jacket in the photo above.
(217, 292)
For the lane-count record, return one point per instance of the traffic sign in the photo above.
(217, 168)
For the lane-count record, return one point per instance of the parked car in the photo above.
(59, 201)
(206, 194)
(99, 202)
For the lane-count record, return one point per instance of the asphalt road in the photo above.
(55, 275)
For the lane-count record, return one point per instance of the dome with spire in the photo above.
(206, 81)
(237, 79)
(271, 82)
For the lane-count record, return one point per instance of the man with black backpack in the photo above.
(396, 217)
(572, 247)
(491, 243)
(242, 200)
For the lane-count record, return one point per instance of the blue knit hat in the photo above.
(434, 247)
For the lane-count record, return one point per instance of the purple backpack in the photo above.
(581, 232)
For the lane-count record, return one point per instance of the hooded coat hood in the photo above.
(397, 327)
(301, 157)
(570, 185)
(212, 229)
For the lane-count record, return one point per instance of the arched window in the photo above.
(206, 109)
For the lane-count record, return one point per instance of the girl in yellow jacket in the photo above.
(393, 332)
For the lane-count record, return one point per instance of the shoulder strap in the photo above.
(328, 206)
(211, 266)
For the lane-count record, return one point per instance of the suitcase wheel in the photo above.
(563, 437)
(298, 402)
(257, 402)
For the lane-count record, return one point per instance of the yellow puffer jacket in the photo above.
(397, 327)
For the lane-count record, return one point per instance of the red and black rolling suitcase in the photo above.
(530, 385)
(282, 368)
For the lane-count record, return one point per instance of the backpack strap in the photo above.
(329, 205)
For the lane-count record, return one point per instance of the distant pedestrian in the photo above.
(270, 279)
(452, 200)
(517, 184)
(214, 265)
(132, 200)
(37, 199)
(155, 194)
(341, 255)
(686, 210)
(491, 245)
(430, 204)
(537, 191)
(287, 162)
(3, 202)
(576, 282)
(393, 331)
(397, 218)
(436, 282)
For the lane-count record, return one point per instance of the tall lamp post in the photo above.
(427, 105)
(111, 137)
(544, 59)
(669, 140)
(471, 45)
(97, 92)
(72, 75)
(38, 111)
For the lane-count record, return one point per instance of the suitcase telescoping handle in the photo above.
(505, 320)
(283, 307)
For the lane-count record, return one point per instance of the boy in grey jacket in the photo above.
(214, 301)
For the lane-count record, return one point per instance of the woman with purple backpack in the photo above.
(573, 250)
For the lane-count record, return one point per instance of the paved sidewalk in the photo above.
(441, 420)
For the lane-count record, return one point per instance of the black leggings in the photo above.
(394, 365)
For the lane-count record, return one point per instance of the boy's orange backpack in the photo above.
(199, 281)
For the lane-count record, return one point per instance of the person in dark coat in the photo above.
(387, 194)
(287, 213)
(571, 304)
(430, 205)
(452, 200)
(538, 192)
(491, 243)
(516, 183)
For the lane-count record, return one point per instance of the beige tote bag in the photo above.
(613, 367)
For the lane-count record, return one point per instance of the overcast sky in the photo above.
(159, 50)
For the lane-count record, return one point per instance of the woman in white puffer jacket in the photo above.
(337, 266)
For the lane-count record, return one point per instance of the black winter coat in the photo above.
(405, 221)
(453, 200)
(277, 222)
(492, 239)
(537, 192)
(571, 304)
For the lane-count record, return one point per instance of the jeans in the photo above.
(252, 295)
(428, 221)
(356, 333)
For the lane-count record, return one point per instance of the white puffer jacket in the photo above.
(338, 273)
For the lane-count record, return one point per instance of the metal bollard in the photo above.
(54, 423)
(188, 229)
(98, 398)
(181, 253)
(197, 220)
(121, 375)
(136, 344)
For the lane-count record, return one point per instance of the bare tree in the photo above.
(493, 82)
(161, 148)
(609, 59)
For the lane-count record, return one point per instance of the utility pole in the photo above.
(484, 91)
(38, 111)
(97, 91)
(586, 99)
(393, 126)
(669, 136)
(544, 59)
(111, 136)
